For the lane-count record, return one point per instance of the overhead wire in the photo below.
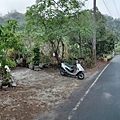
(88, 5)
(107, 8)
(57, 4)
(116, 8)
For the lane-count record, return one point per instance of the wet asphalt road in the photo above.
(103, 100)
(101, 103)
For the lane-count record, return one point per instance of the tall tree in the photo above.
(51, 20)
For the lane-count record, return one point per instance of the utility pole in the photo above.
(94, 31)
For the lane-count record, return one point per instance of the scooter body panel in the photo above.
(80, 67)
(68, 69)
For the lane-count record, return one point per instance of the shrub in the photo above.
(36, 59)
(10, 63)
(88, 62)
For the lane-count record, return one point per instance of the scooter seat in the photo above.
(70, 66)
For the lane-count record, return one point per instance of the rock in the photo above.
(13, 84)
(4, 87)
(0, 83)
(37, 68)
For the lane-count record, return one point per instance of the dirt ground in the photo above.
(38, 91)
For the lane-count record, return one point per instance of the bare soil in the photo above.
(38, 91)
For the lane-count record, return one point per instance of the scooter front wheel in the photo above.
(80, 75)
(62, 71)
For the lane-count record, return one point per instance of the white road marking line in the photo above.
(82, 99)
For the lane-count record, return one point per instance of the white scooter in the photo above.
(67, 69)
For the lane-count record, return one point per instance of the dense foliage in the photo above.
(63, 22)
(61, 30)
(9, 43)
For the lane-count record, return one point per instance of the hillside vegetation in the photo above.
(19, 17)
(48, 36)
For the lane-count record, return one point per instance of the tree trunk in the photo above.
(63, 49)
(80, 45)
(56, 50)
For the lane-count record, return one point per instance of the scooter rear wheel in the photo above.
(80, 75)
(62, 71)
